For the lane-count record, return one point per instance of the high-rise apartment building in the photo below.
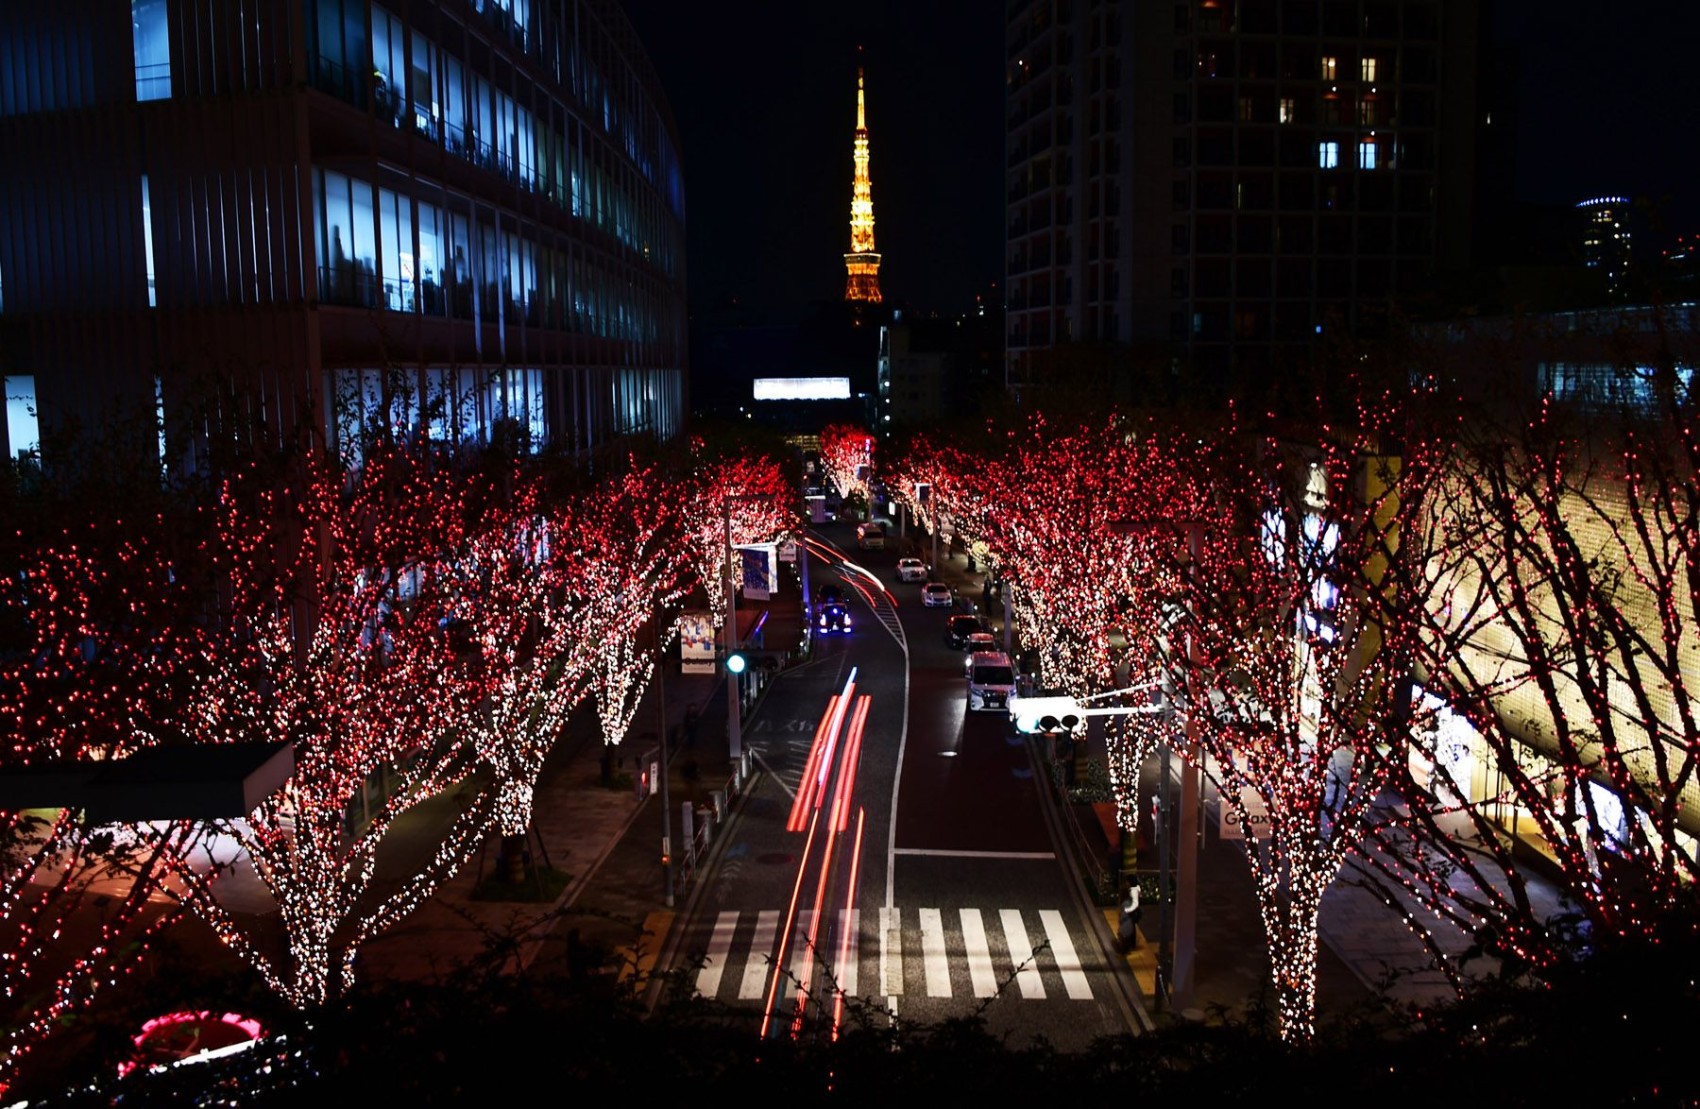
(1227, 180)
(447, 216)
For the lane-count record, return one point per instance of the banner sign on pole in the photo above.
(760, 575)
(697, 653)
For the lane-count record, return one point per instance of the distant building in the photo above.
(935, 369)
(1221, 184)
(447, 218)
(1608, 238)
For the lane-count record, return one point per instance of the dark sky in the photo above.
(764, 95)
(764, 92)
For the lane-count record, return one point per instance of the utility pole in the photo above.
(661, 712)
(734, 682)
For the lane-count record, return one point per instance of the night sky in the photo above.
(765, 97)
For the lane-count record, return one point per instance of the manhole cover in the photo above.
(776, 858)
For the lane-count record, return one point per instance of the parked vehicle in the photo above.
(870, 536)
(957, 629)
(936, 594)
(991, 681)
(911, 569)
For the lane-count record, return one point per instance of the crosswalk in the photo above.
(936, 953)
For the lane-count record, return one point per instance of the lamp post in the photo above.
(661, 714)
(734, 682)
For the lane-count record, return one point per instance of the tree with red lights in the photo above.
(734, 497)
(1559, 658)
(97, 646)
(334, 591)
(1288, 671)
(847, 455)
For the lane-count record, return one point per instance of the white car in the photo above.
(936, 594)
(911, 569)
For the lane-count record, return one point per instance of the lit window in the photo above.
(1286, 109)
(1366, 154)
(147, 240)
(152, 49)
(23, 432)
(1245, 109)
(1330, 66)
(1369, 70)
(1328, 155)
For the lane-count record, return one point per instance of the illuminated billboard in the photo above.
(802, 388)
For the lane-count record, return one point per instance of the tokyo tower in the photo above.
(862, 263)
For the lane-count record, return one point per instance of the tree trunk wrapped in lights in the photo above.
(332, 636)
(1288, 673)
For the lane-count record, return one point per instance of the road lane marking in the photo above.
(1074, 979)
(719, 948)
(1021, 955)
(980, 974)
(933, 958)
(891, 950)
(761, 944)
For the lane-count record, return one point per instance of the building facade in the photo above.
(445, 217)
(1227, 181)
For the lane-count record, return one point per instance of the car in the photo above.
(991, 681)
(833, 617)
(870, 536)
(980, 641)
(936, 594)
(911, 569)
(958, 628)
(829, 594)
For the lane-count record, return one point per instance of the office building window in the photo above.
(1366, 154)
(1330, 67)
(23, 432)
(1246, 109)
(147, 240)
(1369, 70)
(1328, 155)
(1286, 109)
(153, 49)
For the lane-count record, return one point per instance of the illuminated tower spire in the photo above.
(862, 263)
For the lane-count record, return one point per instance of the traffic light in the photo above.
(738, 662)
(1045, 714)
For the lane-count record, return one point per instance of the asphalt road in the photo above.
(909, 870)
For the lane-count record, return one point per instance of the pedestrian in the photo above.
(693, 717)
(1128, 932)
